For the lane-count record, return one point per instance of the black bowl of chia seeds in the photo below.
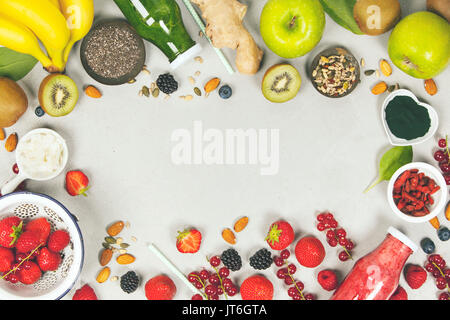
(113, 53)
(335, 72)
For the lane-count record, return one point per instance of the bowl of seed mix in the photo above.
(113, 53)
(335, 72)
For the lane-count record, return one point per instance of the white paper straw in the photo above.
(202, 27)
(173, 268)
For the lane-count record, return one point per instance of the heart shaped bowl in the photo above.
(440, 197)
(56, 284)
(402, 142)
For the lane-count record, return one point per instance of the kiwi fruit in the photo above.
(58, 95)
(281, 83)
(441, 7)
(13, 102)
(375, 17)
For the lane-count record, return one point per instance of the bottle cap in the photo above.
(185, 56)
(404, 239)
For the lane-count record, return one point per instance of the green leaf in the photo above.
(15, 65)
(341, 11)
(391, 161)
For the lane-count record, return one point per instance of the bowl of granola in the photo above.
(335, 72)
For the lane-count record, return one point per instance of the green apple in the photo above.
(420, 45)
(292, 28)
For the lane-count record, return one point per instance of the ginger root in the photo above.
(224, 28)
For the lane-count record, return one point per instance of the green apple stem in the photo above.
(292, 23)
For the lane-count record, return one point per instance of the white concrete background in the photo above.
(329, 153)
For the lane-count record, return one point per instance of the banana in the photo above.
(80, 16)
(56, 4)
(18, 37)
(45, 21)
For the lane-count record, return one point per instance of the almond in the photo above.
(212, 84)
(385, 68)
(103, 275)
(2, 134)
(447, 211)
(435, 223)
(379, 88)
(115, 228)
(92, 92)
(105, 257)
(11, 142)
(241, 224)
(228, 236)
(430, 87)
(125, 259)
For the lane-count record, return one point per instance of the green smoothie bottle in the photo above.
(160, 22)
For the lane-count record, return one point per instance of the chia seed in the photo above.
(112, 51)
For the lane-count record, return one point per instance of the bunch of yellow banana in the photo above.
(58, 24)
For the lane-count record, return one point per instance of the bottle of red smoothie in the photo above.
(376, 276)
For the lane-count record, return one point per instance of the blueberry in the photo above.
(39, 112)
(443, 234)
(427, 245)
(225, 92)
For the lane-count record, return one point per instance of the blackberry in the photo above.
(166, 83)
(261, 260)
(231, 259)
(129, 282)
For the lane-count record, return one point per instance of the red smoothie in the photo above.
(376, 276)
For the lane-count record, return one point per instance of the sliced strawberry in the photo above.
(189, 241)
(77, 183)
(41, 226)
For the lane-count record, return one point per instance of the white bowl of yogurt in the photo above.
(41, 155)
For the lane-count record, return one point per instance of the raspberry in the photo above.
(327, 279)
(399, 294)
(415, 276)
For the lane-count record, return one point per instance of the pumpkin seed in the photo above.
(155, 92)
(146, 91)
(110, 240)
(106, 245)
(197, 91)
(124, 245)
(369, 72)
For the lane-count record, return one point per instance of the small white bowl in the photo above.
(403, 142)
(440, 197)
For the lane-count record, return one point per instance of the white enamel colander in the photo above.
(53, 284)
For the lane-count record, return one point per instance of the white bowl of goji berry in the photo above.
(417, 192)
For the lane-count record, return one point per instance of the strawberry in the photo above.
(309, 252)
(160, 288)
(280, 235)
(85, 293)
(399, 294)
(58, 240)
(27, 241)
(6, 259)
(256, 288)
(48, 260)
(77, 183)
(327, 279)
(29, 273)
(415, 276)
(41, 226)
(10, 230)
(189, 241)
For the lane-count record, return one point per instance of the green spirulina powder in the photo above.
(406, 119)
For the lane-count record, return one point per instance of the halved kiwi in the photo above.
(281, 83)
(58, 95)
